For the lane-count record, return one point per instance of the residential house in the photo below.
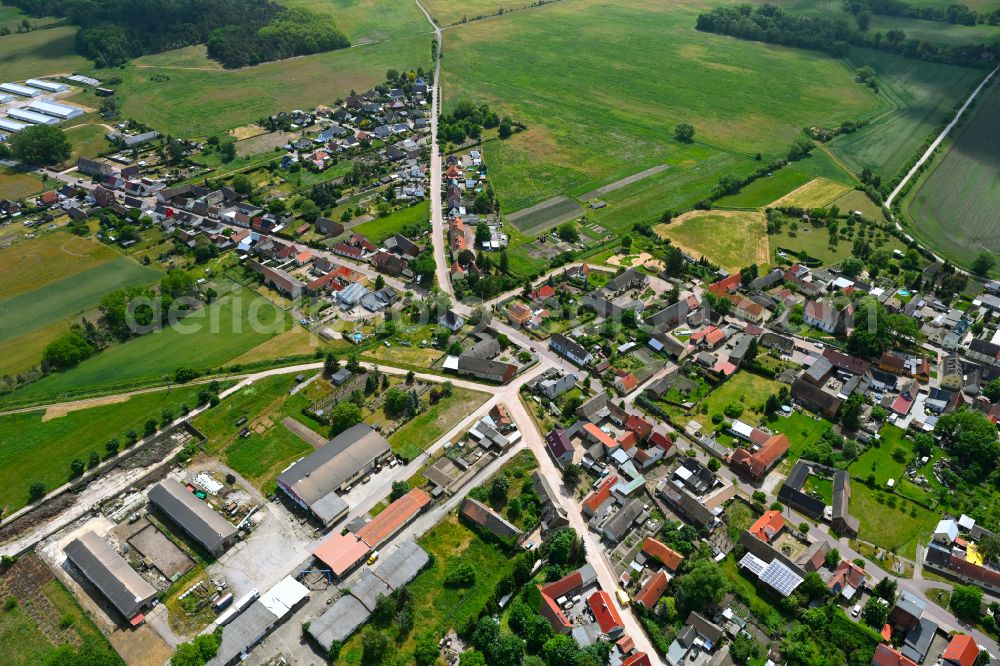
(961, 651)
(570, 349)
(768, 527)
(847, 579)
(328, 227)
(754, 465)
(843, 522)
(823, 316)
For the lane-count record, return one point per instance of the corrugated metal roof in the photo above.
(110, 573)
(195, 516)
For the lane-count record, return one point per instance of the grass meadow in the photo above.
(731, 239)
(16, 184)
(413, 438)
(817, 193)
(40, 53)
(366, 21)
(210, 338)
(87, 141)
(28, 643)
(598, 118)
(921, 95)
(954, 205)
(34, 449)
(767, 190)
(382, 227)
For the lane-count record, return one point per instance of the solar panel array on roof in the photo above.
(753, 564)
(781, 578)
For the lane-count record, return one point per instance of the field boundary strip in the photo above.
(545, 215)
(623, 182)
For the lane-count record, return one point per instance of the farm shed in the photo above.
(62, 111)
(49, 86)
(108, 571)
(32, 117)
(346, 458)
(198, 519)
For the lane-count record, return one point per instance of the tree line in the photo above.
(953, 13)
(770, 24)
(239, 32)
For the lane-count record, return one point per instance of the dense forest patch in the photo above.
(238, 32)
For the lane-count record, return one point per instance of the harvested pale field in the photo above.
(731, 239)
(817, 193)
(622, 182)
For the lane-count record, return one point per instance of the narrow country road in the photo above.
(437, 218)
(937, 142)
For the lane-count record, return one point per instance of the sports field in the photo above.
(817, 193)
(209, 339)
(594, 120)
(201, 99)
(34, 449)
(40, 53)
(922, 95)
(728, 238)
(382, 227)
(955, 205)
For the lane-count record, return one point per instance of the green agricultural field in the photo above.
(922, 95)
(35, 449)
(450, 12)
(69, 296)
(543, 216)
(413, 438)
(16, 184)
(765, 191)
(954, 205)
(149, 358)
(732, 239)
(382, 227)
(366, 21)
(34, 263)
(40, 53)
(204, 100)
(604, 117)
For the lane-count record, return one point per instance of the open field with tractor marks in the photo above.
(606, 118)
(954, 205)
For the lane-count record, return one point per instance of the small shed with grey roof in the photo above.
(108, 571)
(195, 517)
